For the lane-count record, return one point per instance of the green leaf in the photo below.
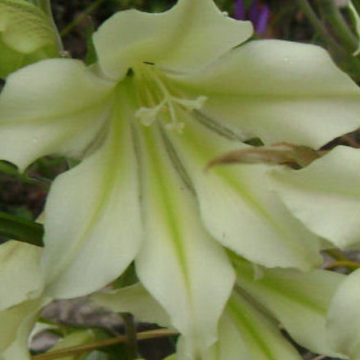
(20, 229)
(8, 169)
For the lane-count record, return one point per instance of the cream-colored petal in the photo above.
(300, 301)
(93, 228)
(20, 275)
(238, 206)
(189, 36)
(278, 91)
(53, 106)
(182, 267)
(344, 318)
(247, 333)
(136, 300)
(15, 327)
(325, 195)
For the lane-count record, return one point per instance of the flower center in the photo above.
(158, 100)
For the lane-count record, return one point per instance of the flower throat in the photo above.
(158, 100)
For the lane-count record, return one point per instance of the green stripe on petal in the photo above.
(16, 324)
(278, 91)
(19, 266)
(26, 35)
(190, 35)
(93, 224)
(179, 263)
(21, 283)
(247, 333)
(344, 318)
(24, 27)
(298, 300)
(325, 195)
(238, 206)
(54, 106)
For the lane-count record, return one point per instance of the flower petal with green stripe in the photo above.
(256, 312)
(170, 92)
(26, 35)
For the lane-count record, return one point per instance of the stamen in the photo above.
(148, 115)
(166, 102)
(191, 105)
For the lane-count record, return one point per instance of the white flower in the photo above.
(249, 327)
(343, 323)
(170, 92)
(325, 195)
(22, 284)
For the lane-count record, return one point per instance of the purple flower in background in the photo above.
(239, 11)
(258, 14)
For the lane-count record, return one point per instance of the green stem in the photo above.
(20, 229)
(342, 56)
(81, 17)
(348, 264)
(356, 4)
(336, 254)
(77, 350)
(130, 330)
(333, 17)
(314, 20)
